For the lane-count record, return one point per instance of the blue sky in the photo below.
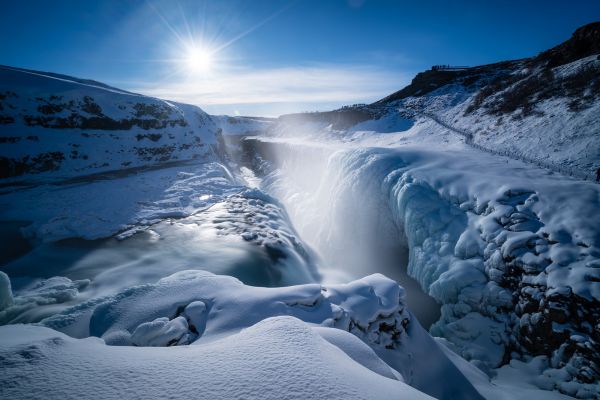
(273, 57)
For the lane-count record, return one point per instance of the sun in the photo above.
(198, 60)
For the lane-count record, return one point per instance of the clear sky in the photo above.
(261, 57)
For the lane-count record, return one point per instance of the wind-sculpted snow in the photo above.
(214, 305)
(276, 358)
(196, 307)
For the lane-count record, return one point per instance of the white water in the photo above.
(337, 202)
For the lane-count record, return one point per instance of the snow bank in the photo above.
(199, 308)
(225, 305)
(103, 207)
(276, 358)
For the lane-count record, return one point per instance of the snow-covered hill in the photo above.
(544, 110)
(59, 126)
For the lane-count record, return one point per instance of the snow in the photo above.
(276, 358)
(557, 138)
(46, 115)
(162, 332)
(241, 126)
(213, 312)
(513, 381)
(228, 306)
(211, 264)
(6, 298)
(358, 351)
(463, 213)
(100, 208)
(239, 232)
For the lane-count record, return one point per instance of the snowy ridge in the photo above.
(555, 136)
(543, 110)
(513, 153)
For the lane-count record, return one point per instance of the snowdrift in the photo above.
(230, 330)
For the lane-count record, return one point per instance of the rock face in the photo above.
(65, 126)
(584, 42)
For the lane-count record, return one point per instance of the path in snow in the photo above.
(513, 154)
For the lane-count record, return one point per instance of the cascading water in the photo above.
(337, 202)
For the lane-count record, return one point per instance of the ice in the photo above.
(196, 313)
(6, 297)
(44, 292)
(468, 204)
(129, 204)
(469, 245)
(475, 225)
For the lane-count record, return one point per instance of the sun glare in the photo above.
(198, 60)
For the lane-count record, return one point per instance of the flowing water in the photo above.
(336, 203)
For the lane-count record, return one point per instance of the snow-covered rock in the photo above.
(6, 297)
(40, 292)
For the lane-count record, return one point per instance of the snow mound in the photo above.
(276, 358)
(371, 308)
(199, 308)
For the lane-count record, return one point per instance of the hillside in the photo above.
(543, 110)
(52, 124)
